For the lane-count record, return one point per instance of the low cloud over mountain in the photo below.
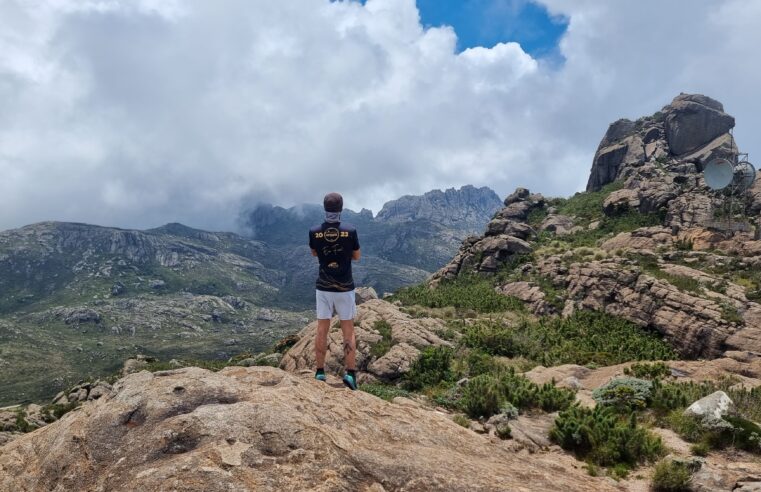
(140, 113)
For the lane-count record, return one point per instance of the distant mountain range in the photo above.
(79, 299)
(408, 240)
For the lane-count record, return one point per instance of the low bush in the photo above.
(486, 395)
(624, 394)
(464, 292)
(604, 437)
(384, 391)
(461, 420)
(700, 449)
(583, 338)
(671, 476)
(379, 349)
(480, 363)
(432, 367)
(670, 396)
(504, 431)
(713, 433)
(482, 396)
(646, 370)
(54, 411)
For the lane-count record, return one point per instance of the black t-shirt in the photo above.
(334, 242)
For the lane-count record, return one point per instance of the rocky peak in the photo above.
(692, 128)
(462, 209)
(506, 235)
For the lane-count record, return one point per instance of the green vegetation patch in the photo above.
(485, 395)
(433, 366)
(465, 292)
(604, 437)
(649, 265)
(648, 370)
(671, 476)
(385, 391)
(585, 337)
(625, 394)
(381, 348)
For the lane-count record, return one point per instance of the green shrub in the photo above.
(583, 338)
(480, 363)
(21, 423)
(381, 348)
(624, 394)
(504, 431)
(656, 370)
(747, 435)
(730, 314)
(488, 394)
(461, 420)
(54, 411)
(713, 433)
(603, 437)
(432, 367)
(384, 391)
(671, 476)
(482, 396)
(700, 449)
(464, 292)
(670, 396)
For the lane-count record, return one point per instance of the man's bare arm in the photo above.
(356, 255)
(314, 252)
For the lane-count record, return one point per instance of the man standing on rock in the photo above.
(336, 245)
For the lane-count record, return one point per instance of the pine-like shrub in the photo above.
(482, 396)
(604, 437)
(657, 370)
(432, 367)
(671, 476)
(480, 363)
(487, 394)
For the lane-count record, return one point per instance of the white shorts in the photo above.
(341, 303)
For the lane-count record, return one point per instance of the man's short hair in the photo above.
(333, 202)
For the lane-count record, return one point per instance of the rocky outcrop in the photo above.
(506, 235)
(643, 239)
(529, 293)
(692, 120)
(697, 324)
(692, 129)
(377, 322)
(264, 429)
(467, 208)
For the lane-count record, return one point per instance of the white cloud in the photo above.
(136, 113)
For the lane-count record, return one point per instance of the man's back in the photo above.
(335, 244)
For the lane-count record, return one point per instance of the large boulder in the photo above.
(693, 120)
(261, 428)
(407, 336)
(529, 293)
(716, 405)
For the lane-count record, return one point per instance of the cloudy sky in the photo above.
(135, 113)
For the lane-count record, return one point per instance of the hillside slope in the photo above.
(77, 300)
(648, 242)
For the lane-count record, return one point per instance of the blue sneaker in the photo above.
(350, 382)
(320, 376)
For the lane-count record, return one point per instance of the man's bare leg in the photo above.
(350, 346)
(321, 342)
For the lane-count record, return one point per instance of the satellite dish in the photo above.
(744, 175)
(718, 174)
